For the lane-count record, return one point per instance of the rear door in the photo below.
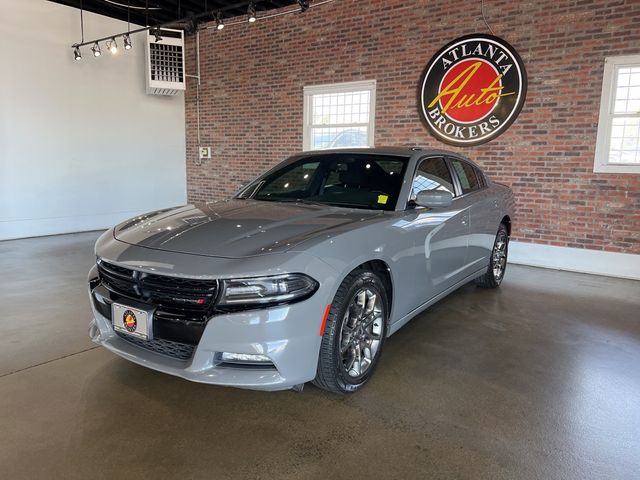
(477, 199)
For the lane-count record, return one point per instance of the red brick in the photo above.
(252, 105)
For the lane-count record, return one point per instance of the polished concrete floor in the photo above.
(539, 379)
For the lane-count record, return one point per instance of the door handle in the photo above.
(465, 220)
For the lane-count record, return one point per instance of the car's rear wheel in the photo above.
(498, 261)
(354, 333)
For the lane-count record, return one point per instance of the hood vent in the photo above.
(165, 62)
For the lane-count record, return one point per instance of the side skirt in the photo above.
(394, 327)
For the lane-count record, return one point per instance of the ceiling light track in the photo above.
(303, 5)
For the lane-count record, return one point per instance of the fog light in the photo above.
(244, 358)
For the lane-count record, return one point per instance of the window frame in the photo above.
(310, 91)
(605, 119)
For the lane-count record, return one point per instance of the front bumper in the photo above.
(273, 332)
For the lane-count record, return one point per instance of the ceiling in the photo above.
(162, 11)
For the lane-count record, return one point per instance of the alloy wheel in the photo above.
(499, 255)
(361, 332)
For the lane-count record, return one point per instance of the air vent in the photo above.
(165, 62)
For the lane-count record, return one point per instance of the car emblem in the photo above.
(472, 90)
(129, 321)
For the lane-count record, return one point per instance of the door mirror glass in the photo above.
(434, 198)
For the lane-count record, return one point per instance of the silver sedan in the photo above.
(304, 273)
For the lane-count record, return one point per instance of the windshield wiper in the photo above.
(313, 202)
(294, 200)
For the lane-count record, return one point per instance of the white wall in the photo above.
(82, 146)
(597, 262)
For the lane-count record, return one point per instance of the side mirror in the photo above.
(434, 198)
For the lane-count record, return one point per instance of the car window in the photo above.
(466, 175)
(432, 174)
(349, 180)
(391, 167)
(294, 181)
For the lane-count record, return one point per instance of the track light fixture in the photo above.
(219, 21)
(304, 5)
(251, 13)
(112, 46)
(155, 30)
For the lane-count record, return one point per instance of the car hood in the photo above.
(238, 228)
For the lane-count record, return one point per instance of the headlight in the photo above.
(267, 290)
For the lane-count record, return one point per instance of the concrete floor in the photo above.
(539, 379)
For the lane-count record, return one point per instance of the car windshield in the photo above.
(346, 180)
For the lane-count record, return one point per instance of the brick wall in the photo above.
(252, 105)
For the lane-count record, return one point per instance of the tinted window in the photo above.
(295, 181)
(349, 180)
(432, 174)
(467, 176)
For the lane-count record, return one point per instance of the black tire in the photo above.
(490, 279)
(332, 374)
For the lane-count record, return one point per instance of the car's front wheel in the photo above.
(498, 261)
(354, 333)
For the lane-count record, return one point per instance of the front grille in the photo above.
(178, 350)
(184, 299)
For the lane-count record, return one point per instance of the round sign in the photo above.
(472, 90)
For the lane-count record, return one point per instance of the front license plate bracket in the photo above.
(132, 321)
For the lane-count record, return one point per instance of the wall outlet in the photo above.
(205, 153)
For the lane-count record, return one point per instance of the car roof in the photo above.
(405, 151)
(399, 151)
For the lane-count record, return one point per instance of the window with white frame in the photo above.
(618, 143)
(339, 115)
